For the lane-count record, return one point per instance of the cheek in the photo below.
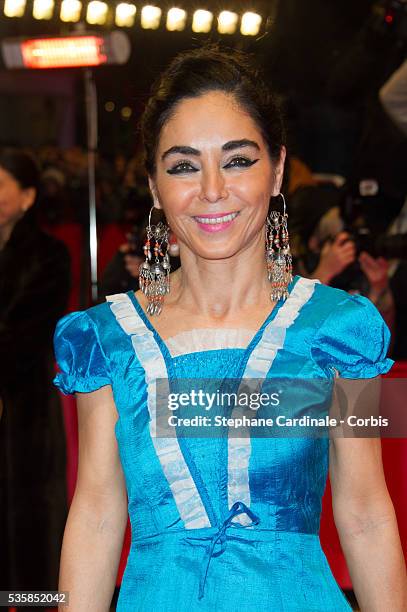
(10, 202)
(255, 192)
(177, 196)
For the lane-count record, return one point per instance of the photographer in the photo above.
(393, 98)
(323, 250)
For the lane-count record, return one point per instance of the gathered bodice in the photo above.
(223, 488)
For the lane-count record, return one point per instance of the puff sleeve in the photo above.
(354, 340)
(79, 355)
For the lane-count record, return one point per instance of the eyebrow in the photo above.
(228, 146)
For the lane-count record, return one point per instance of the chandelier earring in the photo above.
(154, 273)
(278, 255)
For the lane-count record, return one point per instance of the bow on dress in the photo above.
(238, 507)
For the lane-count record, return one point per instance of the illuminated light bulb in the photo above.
(126, 112)
(43, 9)
(176, 20)
(109, 107)
(227, 22)
(14, 8)
(97, 12)
(202, 21)
(150, 17)
(125, 14)
(250, 25)
(70, 10)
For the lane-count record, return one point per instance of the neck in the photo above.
(223, 288)
(5, 233)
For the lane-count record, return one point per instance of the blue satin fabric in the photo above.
(276, 562)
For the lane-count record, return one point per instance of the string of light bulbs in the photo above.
(126, 14)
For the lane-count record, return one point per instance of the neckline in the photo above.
(248, 349)
(211, 338)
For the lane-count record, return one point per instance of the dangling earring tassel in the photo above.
(154, 276)
(278, 256)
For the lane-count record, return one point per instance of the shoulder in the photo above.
(350, 334)
(323, 302)
(330, 296)
(84, 327)
(79, 351)
(315, 302)
(340, 308)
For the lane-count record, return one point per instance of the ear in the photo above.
(279, 172)
(28, 198)
(153, 190)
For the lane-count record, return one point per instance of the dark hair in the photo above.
(210, 68)
(22, 167)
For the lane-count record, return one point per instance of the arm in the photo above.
(335, 256)
(367, 526)
(97, 519)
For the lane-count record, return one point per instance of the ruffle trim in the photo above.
(259, 363)
(367, 371)
(196, 340)
(182, 485)
(69, 384)
(274, 334)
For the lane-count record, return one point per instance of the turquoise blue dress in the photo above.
(221, 522)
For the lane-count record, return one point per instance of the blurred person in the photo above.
(49, 156)
(75, 167)
(109, 200)
(298, 174)
(393, 97)
(34, 288)
(397, 272)
(54, 203)
(323, 250)
(120, 164)
(135, 192)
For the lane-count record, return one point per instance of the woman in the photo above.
(34, 288)
(219, 522)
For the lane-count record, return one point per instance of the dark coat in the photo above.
(34, 289)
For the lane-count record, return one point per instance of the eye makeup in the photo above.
(236, 162)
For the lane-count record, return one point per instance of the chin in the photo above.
(216, 252)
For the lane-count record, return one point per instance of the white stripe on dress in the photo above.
(184, 490)
(258, 364)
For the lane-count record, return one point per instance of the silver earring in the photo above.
(278, 255)
(154, 275)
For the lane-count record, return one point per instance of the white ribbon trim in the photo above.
(185, 492)
(259, 363)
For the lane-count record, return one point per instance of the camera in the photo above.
(362, 215)
(379, 245)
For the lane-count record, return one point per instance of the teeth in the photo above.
(213, 221)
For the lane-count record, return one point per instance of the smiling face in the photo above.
(214, 176)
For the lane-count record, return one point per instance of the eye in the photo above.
(182, 167)
(241, 162)
(185, 167)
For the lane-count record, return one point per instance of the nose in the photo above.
(213, 186)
